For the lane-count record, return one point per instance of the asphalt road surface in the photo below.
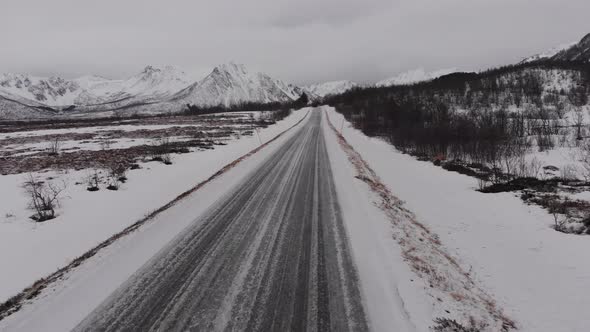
(271, 256)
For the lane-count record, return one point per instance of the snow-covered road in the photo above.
(295, 237)
(271, 256)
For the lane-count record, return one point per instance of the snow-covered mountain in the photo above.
(151, 84)
(12, 109)
(51, 91)
(156, 82)
(329, 88)
(579, 52)
(414, 76)
(570, 52)
(153, 90)
(547, 54)
(231, 84)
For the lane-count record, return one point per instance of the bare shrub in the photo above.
(116, 175)
(93, 181)
(166, 159)
(557, 209)
(54, 147)
(161, 150)
(105, 143)
(560, 223)
(451, 325)
(482, 183)
(44, 197)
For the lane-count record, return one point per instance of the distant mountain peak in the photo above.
(232, 83)
(570, 52)
(579, 52)
(164, 87)
(585, 39)
(231, 67)
(329, 88)
(149, 69)
(549, 53)
(414, 76)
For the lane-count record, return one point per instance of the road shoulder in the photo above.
(408, 279)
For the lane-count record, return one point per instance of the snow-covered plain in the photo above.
(537, 275)
(116, 263)
(29, 250)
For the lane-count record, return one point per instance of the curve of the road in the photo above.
(272, 255)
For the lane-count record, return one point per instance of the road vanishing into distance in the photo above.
(271, 256)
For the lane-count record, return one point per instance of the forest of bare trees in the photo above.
(490, 118)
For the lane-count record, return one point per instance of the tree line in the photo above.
(489, 118)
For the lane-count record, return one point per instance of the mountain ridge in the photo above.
(414, 76)
(153, 90)
(329, 88)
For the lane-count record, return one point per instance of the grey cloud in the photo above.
(329, 12)
(299, 41)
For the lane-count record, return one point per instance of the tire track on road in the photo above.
(271, 255)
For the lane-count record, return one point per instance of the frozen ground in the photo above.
(537, 275)
(507, 257)
(29, 250)
(394, 296)
(55, 309)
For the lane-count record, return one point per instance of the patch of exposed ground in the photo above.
(95, 149)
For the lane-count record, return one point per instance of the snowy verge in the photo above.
(536, 274)
(29, 250)
(404, 294)
(65, 302)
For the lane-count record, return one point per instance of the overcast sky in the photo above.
(299, 41)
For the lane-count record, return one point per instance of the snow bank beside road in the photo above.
(446, 291)
(29, 251)
(537, 275)
(392, 294)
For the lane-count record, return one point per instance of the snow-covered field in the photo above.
(117, 262)
(536, 275)
(29, 250)
(532, 273)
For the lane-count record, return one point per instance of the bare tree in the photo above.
(44, 197)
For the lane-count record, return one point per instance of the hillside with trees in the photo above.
(482, 124)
